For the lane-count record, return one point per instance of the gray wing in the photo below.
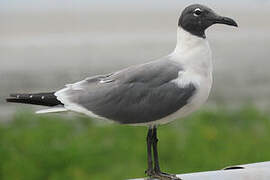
(138, 94)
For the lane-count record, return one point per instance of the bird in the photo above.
(149, 94)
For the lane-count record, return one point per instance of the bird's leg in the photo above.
(155, 141)
(157, 172)
(149, 141)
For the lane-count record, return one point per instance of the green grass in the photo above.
(56, 148)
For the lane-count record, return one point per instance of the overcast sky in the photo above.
(22, 5)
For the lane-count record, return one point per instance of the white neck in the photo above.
(187, 41)
(192, 51)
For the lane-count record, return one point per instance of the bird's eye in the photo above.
(197, 12)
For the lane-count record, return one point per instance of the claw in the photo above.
(149, 172)
(160, 175)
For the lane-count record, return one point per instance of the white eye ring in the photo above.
(197, 12)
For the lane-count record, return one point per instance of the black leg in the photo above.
(157, 173)
(149, 140)
(155, 141)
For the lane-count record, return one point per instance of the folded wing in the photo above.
(138, 94)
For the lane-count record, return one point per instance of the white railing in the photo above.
(256, 171)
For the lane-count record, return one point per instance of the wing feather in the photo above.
(138, 94)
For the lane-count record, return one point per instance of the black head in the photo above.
(197, 18)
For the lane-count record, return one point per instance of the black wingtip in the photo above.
(14, 98)
(11, 98)
(8, 99)
(44, 99)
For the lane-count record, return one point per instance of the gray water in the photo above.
(41, 51)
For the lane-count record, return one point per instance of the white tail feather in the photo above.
(52, 110)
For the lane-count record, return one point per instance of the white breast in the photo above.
(194, 55)
(203, 87)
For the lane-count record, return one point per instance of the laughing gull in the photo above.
(148, 94)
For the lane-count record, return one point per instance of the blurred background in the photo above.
(47, 44)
